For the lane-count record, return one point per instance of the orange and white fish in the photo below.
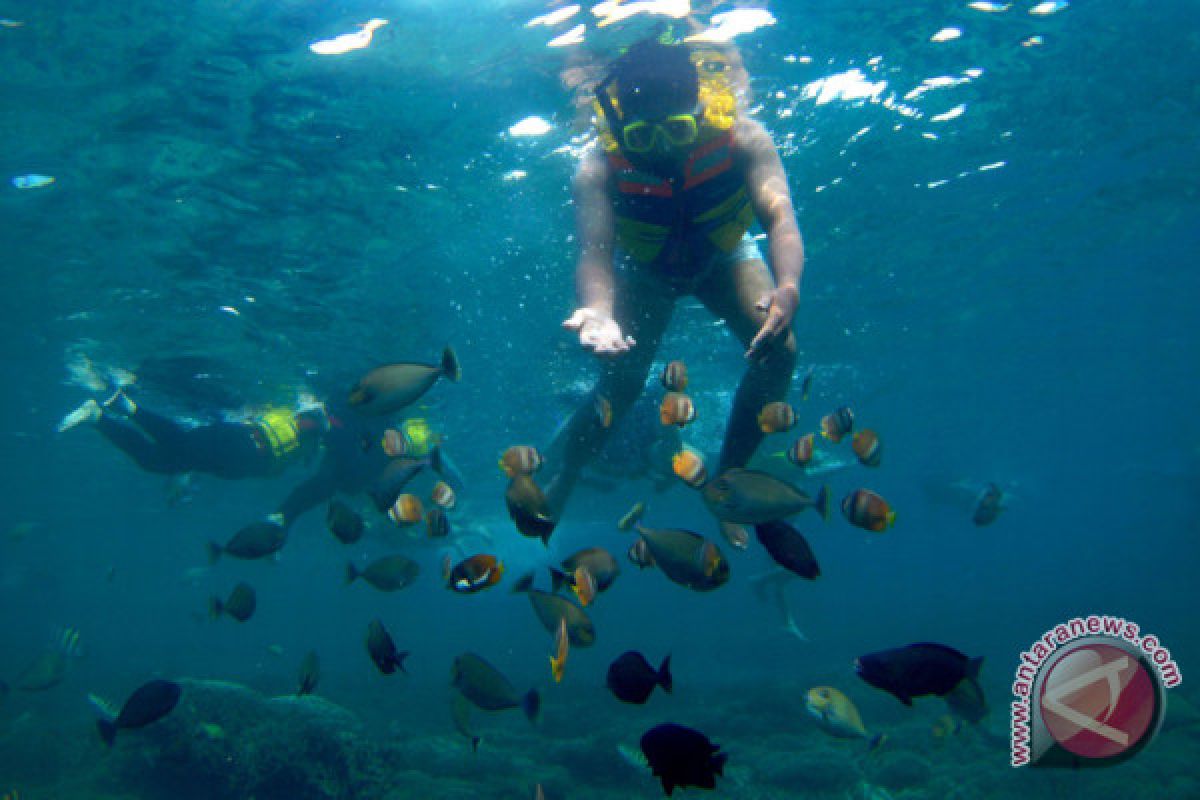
(676, 409)
(776, 417)
(866, 509)
(407, 510)
(836, 425)
(867, 447)
(674, 376)
(688, 466)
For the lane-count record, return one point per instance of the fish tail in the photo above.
(718, 763)
(352, 572)
(822, 504)
(664, 675)
(108, 730)
(214, 607)
(531, 704)
(214, 552)
(398, 660)
(876, 741)
(891, 518)
(475, 740)
(973, 667)
(523, 584)
(450, 366)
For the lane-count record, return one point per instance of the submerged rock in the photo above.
(224, 740)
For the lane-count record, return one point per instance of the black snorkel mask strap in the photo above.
(611, 118)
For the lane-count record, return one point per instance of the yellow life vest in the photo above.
(278, 427)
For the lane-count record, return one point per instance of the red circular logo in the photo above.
(1098, 700)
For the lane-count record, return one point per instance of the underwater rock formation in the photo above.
(224, 740)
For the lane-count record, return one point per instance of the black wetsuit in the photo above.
(352, 461)
(158, 444)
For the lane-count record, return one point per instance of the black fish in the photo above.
(788, 547)
(989, 506)
(631, 677)
(383, 650)
(256, 540)
(344, 522)
(682, 757)
(917, 670)
(149, 703)
(310, 673)
(240, 605)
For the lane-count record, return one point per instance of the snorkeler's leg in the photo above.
(145, 452)
(164, 430)
(731, 294)
(643, 310)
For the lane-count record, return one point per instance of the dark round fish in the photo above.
(788, 548)
(682, 757)
(631, 678)
(383, 650)
(149, 703)
(488, 689)
(917, 670)
(344, 522)
(240, 605)
(989, 506)
(749, 496)
(387, 389)
(387, 574)
(310, 673)
(256, 540)
(529, 508)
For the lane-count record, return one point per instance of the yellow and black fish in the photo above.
(688, 466)
(674, 376)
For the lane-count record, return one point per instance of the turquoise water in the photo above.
(999, 281)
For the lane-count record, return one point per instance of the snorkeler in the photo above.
(665, 200)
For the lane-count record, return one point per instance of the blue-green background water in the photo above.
(1032, 324)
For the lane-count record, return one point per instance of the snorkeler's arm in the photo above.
(766, 183)
(310, 493)
(593, 319)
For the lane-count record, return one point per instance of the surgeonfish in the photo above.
(392, 387)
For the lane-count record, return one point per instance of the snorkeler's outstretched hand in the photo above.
(780, 305)
(598, 332)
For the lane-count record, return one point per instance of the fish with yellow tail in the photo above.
(562, 646)
(750, 497)
(867, 510)
(837, 715)
(685, 557)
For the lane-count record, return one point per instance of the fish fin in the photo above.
(822, 505)
(352, 572)
(214, 607)
(974, 665)
(875, 742)
(398, 660)
(108, 730)
(891, 518)
(558, 578)
(450, 366)
(475, 740)
(664, 675)
(523, 584)
(718, 763)
(214, 552)
(905, 699)
(531, 704)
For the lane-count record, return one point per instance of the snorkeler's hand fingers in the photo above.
(764, 302)
(580, 318)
